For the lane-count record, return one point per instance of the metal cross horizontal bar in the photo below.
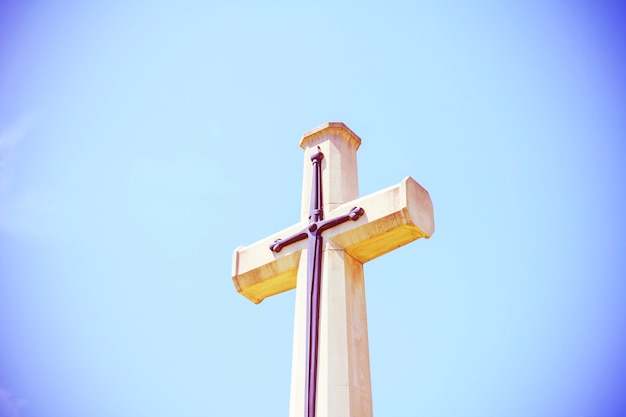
(315, 228)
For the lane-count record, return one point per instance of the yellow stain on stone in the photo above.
(269, 279)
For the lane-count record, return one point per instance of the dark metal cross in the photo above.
(313, 232)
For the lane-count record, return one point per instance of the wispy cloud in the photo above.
(11, 135)
(10, 405)
(17, 206)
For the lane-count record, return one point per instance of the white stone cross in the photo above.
(392, 217)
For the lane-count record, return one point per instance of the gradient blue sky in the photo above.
(141, 142)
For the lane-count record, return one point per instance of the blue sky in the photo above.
(142, 142)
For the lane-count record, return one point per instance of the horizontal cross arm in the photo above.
(393, 217)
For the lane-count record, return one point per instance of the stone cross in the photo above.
(330, 365)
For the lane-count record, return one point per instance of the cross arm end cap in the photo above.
(393, 217)
(257, 272)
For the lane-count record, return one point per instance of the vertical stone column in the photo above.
(344, 385)
(298, 357)
(344, 375)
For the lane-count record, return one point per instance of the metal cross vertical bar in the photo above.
(313, 232)
(316, 214)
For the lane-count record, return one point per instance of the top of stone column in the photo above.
(340, 182)
(312, 136)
